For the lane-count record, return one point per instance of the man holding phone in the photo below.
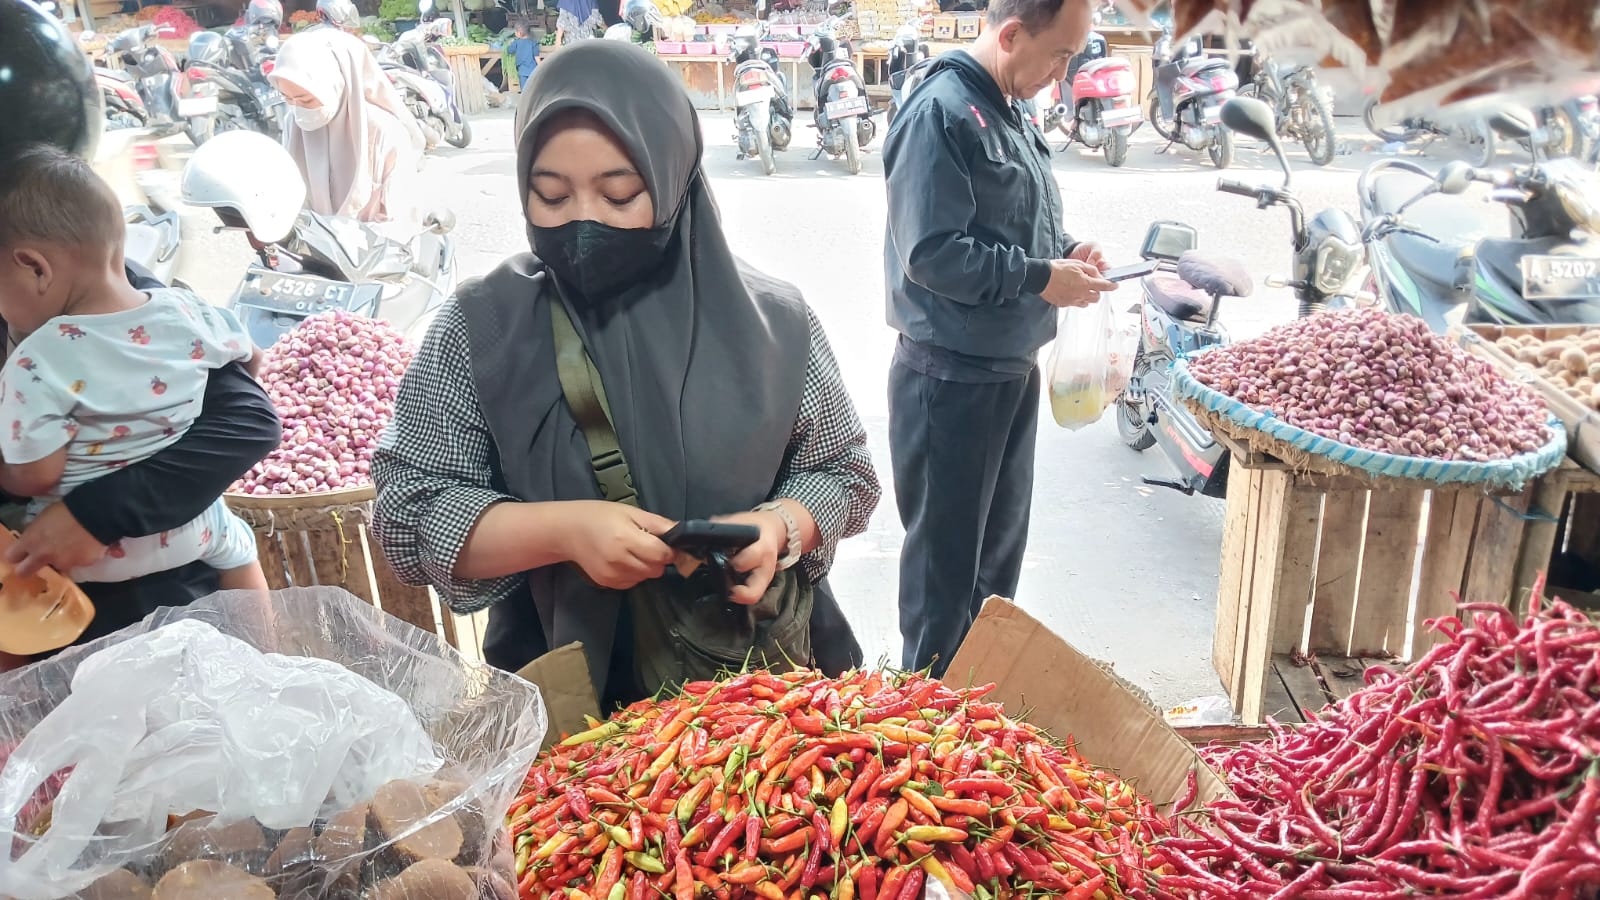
(976, 265)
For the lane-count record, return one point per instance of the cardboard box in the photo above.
(944, 28)
(967, 27)
(563, 679)
(1071, 696)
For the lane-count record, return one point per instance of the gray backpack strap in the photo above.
(586, 397)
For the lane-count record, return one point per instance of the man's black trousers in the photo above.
(963, 479)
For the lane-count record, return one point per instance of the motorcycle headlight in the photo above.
(1336, 262)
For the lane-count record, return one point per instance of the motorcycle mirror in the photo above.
(1454, 177)
(1512, 122)
(439, 221)
(1253, 118)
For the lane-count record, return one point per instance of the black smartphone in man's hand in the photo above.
(1124, 273)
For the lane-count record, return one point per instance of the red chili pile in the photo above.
(1472, 774)
(795, 786)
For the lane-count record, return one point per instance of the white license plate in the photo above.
(189, 107)
(850, 106)
(1561, 277)
(1213, 115)
(1118, 116)
(752, 95)
(301, 294)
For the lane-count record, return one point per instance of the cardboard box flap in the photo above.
(563, 679)
(1069, 695)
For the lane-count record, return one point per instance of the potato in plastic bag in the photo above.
(301, 744)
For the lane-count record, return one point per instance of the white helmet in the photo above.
(249, 179)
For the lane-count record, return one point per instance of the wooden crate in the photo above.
(1583, 423)
(1330, 565)
(467, 63)
(325, 540)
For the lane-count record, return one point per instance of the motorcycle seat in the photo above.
(1216, 275)
(1178, 298)
(115, 75)
(1459, 223)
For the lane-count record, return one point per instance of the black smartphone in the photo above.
(699, 537)
(1123, 273)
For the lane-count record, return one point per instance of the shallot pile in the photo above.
(1475, 772)
(800, 786)
(1379, 382)
(333, 380)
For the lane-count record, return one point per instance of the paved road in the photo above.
(1125, 572)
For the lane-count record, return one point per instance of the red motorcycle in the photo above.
(1098, 108)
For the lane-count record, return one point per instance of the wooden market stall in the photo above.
(1328, 572)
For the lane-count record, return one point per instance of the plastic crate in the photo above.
(790, 48)
(670, 48)
(700, 48)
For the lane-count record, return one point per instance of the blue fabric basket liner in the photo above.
(1510, 474)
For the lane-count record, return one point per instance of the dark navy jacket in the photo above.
(974, 219)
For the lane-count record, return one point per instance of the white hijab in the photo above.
(351, 163)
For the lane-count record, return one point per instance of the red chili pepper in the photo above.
(867, 882)
(912, 889)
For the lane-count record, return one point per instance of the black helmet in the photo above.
(823, 47)
(208, 48)
(264, 12)
(51, 96)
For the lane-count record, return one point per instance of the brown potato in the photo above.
(1570, 377)
(1528, 355)
(1575, 359)
(1552, 351)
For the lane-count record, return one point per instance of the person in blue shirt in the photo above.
(525, 52)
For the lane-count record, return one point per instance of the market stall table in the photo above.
(470, 64)
(709, 79)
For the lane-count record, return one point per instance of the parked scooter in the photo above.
(1094, 104)
(309, 263)
(842, 117)
(246, 99)
(422, 73)
(1302, 108)
(1469, 139)
(764, 120)
(909, 60)
(1186, 103)
(123, 106)
(1178, 311)
(125, 158)
(1451, 260)
(169, 99)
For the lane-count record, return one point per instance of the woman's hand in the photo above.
(616, 545)
(759, 561)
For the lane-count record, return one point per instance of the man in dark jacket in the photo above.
(976, 264)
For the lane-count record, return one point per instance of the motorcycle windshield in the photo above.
(348, 248)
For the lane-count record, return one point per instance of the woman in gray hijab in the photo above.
(722, 399)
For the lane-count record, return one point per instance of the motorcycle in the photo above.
(842, 116)
(123, 105)
(1470, 139)
(307, 263)
(246, 99)
(419, 69)
(909, 59)
(763, 120)
(125, 158)
(1450, 260)
(1094, 104)
(169, 98)
(1302, 108)
(1186, 103)
(1181, 299)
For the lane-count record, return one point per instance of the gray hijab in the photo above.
(703, 361)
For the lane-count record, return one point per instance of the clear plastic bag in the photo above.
(1089, 363)
(319, 747)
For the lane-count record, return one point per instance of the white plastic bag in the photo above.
(1090, 363)
(281, 713)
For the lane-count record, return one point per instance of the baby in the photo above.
(105, 374)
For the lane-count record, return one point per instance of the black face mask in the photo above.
(598, 261)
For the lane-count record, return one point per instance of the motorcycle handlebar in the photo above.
(1236, 187)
